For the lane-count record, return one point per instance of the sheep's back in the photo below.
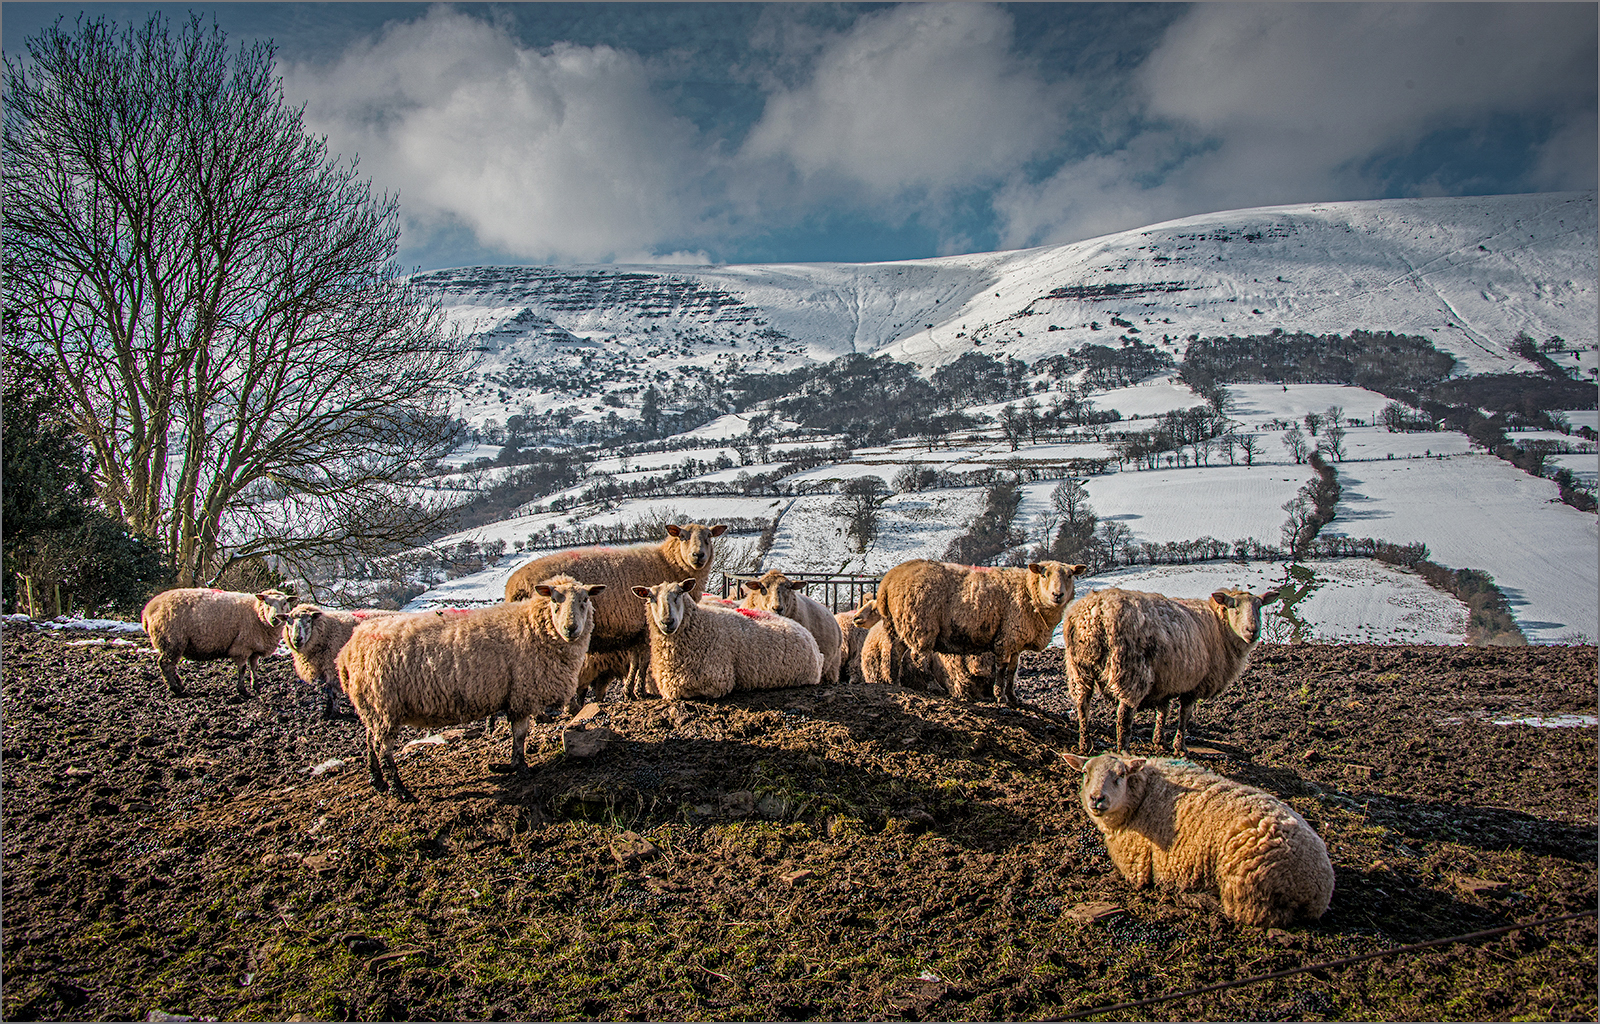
(200, 623)
(619, 616)
(1130, 640)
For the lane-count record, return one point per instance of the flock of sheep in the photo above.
(587, 617)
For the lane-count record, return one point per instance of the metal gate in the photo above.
(838, 593)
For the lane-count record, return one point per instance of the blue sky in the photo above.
(739, 133)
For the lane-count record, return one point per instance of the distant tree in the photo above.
(1296, 442)
(1249, 444)
(1229, 443)
(1313, 422)
(218, 298)
(1333, 439)
(990, 533)
(858, 505)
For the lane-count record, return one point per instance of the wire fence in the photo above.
(1189, 993)
(838, 592)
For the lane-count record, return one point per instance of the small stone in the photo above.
(1311, 757)
(772, 806)
(1089, 913)
(590, 710)
(919, 816)
(587, 742)
(322, 862)
(681, 714)
(1478, 886)
(1280, 936)
(796, 877)
(276, 860)
(451, 735)
(630, 848)
(741, 804)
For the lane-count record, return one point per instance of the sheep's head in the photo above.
(1240, 611)
(272, 606)
(773, 592)
(571, 611)
(1112, 787)
(668, 603)
(691, 545)
(868, 615)
(1050, 583)
(299, 622)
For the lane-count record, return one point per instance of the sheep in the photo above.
(1142, 650)
(963, 676)
(434, 670)
(709, 650)
(619, 621)
(315, 636)
(775, 592)
(853, 628)
(201, 624)
(939, 607)
(1172, 822)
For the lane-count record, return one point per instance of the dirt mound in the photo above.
(842, 852)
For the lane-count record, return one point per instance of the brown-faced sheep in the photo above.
(315, 636)
(1142, 650)
(938, 607)
(207, 625)
(619, 620)
(775, 592)
(428, 671)
(709, 650)
(1172, 822)
(853, 628)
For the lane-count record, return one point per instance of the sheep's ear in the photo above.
(752, 586)
(266, 596)
(1135, 764)
(543, 590)
(643, 592)
(595, 588)
(1074, 760)
(1269, 597)
(1079, 570)
(688, 586)
(674, 530)
(1223, 598)
(719, 529)
(1035, 567)
(797, 584)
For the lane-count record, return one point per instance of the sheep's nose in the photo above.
(1098, 805)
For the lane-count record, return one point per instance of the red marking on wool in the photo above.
(363, 614)
(752, 613)
(452, 611)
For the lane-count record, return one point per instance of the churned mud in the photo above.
(844, 852)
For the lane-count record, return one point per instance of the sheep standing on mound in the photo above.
(775, 592)
(619, 620)
(853, 628)
(710, 650)
(207, 625)
(1142, 650)
(963, 676)
(428, 671)
(1172, 822)
(315, 636)
(938, 607)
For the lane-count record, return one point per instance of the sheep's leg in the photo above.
(400, 792)
(238, 677)
(1180, 742)
(1005, 681)
(1081, 695)
(169, 671)
(633, 687)
(375, 763)
(330, 687)
(1125, 713)
(1161, 722)
(519, 741)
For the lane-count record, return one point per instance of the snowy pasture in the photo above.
(1226, 502)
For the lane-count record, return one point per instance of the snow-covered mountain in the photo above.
(1468, 273)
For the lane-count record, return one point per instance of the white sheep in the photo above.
(619, 621)
(1174, 823)
(775, 592)
(1142, 650)
(315, 636)
(710, 650)
(207, 625)
(939, 607)
(429, 671)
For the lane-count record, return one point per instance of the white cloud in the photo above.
(917, 96)
(562, 153)
(1290, 103)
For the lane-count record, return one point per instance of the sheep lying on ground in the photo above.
(963, 676)
(709, 650)
(619, 620)
(429, 671)
(1142, 650)
(938, 607)
(315, 636)
(853, 628)
(1175, 823)
(775, 592)
(208, 625)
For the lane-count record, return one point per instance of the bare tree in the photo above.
(1296, 442)
(1333, 439)
(254, 374)
(1313, 422)
(1249, 444)
(858, 504)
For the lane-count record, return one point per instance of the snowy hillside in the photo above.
(1467, 273)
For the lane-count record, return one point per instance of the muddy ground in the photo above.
(844, 852)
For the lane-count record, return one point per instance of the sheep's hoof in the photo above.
(402, 795)
(501, 768)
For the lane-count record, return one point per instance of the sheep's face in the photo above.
(1111, 786)
(773, 592)
(571, 610)
(867, 615)
(299, 624)
(1241, 611)
(1050, 583)
(272, 606)
(694, 548)
(668, 604)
